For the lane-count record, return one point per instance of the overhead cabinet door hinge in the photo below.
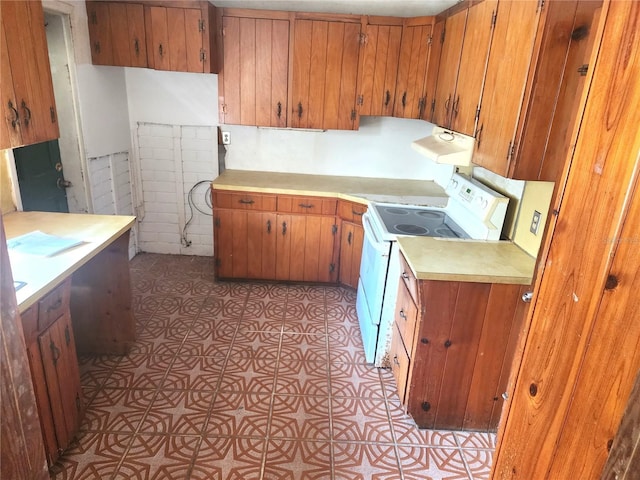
(494, 17)
(334, 229)
(430, 39)
(360, 100)
(353, 114)
(442, 35)
(216, 222)
(540, 4)
(332, 267)
(203, 55)
(583, 69)
(478, 112)
(201, 25)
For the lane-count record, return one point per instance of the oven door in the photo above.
(373, 275)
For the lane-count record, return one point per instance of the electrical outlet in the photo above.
(535, 222)
(226, 138)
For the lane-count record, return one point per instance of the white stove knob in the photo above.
(454, 183)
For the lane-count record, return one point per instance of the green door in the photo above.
(42, 184)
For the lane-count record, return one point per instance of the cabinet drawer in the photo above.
(30, 324)
(406, 317)
(410, 281)
(54, 304)
(244, 200)
(399, 362)
(313, 205)
(351, 211)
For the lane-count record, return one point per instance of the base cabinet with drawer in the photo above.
(54, 369)
(275, 237)
(451, 350)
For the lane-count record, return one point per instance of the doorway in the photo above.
(40, 177)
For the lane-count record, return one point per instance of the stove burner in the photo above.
(431, 214)
(396, 211)
(411, 229)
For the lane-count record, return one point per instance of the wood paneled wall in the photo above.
(582, 352)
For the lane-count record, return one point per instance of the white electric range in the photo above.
(473, 211)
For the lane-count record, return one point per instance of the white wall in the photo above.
(380, 148)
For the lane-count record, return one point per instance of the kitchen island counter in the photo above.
(358, 189)
(467, 260)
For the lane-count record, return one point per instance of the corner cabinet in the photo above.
(28, 104)
(351, 239)
(275, 237)
(174, 36)
(451, 350)
(54, 369)
(253, 82)
(325, 73)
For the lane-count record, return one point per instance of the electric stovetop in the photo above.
(418, 221)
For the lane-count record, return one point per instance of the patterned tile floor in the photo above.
(250, 381)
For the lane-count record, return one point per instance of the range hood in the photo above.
(445, 146)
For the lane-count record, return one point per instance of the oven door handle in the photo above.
(369, 233)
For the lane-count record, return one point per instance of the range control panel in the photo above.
(476, 198)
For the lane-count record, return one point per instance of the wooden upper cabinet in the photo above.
(254, 77)
(449, 64)
(505, 82)
(433, 67)
(28, 104)
(325, 67)
(379, 69)
(473, 64)
(116, 34)
(410, 101)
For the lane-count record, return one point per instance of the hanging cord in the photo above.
(193, 206)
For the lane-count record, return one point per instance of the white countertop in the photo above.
(42, 274)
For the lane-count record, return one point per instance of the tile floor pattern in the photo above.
(250, 381)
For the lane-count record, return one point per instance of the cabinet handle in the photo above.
(55, 306)
(27, 117)
(136, 46)
(279, 110)
(387, 98)
(305, 205)
(16, 116)
(55, 352)
(359, 214)
(479, 135)
(246, 202)
(67, 335)
(284, 228)
(299, 109)
(404, 99)
(402, 314)
(349, 238)
(447, 104)
(426, 406)
(396, 361)
(268, 226)
(455, 106)
(160, 50)
(421, 104)
(447, 344)
(404, 275)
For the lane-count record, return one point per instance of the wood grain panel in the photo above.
(99, 32)
(312, 237)
(349, 78)
(269, 239)
(433, 68)
(449, 65)
(223, 242)
(231, 71)
(584, 302)
(240, 247)
(326, 250)
(301, 73)
(404, 63)
(158, 40)
(137, 43)
(22, 445)
(296, 232)
(279, 73)
(119, 36)
(255, 232)
(461, 355)
(373, 49)
(473, 64)
(193, 40)
(248, 59)
(263, 40)
(283, 247)
(177, 40)
(387, 93)
(10, 133)
(326, 55)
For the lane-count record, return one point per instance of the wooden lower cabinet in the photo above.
(351, 238)
(54, 369)
(456, 359)
(273, 246)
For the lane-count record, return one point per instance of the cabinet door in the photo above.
(256, 63)
(32, 114)
(127, 35)
(62, 375)
(512, 45)
(449, 64)
(412, 70)
(380, 69)
(433, 67)
(174, 39)
(261, 245)
(100, 37)
(224, 235)
(318, 249)
(473, 63)
(351, 237)
(325, 65)
(10, 134)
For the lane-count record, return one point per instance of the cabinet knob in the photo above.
(396, 361)
(426, 406)
(16, 116)
(527, 296)
(447, 344)
(405, 276)
(402, 315)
